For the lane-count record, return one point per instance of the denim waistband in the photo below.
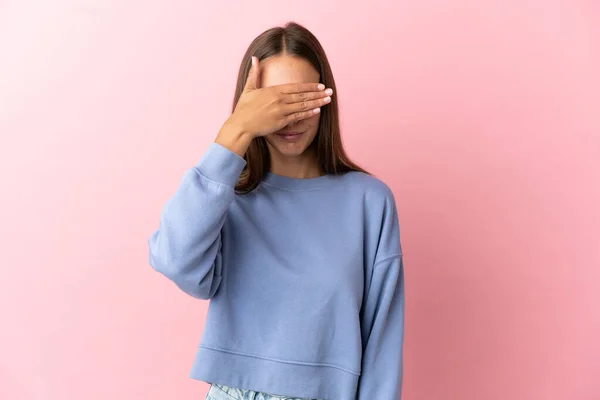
(223, 392)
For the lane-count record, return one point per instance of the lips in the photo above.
(289, 134)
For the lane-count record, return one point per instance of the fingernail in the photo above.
(317, 110)
(327, 99)
(329, 91)
(253, 61)
(321, 86)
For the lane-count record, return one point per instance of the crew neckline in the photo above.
(285, 182)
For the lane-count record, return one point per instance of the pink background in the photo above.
(483, 117)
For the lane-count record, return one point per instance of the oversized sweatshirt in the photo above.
(304, 279)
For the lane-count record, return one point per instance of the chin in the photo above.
(288, 148)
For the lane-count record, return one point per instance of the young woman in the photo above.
(297, 248)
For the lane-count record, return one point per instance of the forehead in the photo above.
(281, 69)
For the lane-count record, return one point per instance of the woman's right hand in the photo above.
(261, 111)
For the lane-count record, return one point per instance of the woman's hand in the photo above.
(266, 110)
(261, 111)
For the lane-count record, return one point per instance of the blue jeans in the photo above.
(222, 392)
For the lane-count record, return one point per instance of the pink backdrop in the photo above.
(483, 117)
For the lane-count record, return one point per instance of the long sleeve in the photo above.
(382, 313)
(383, 333)
(186, 247)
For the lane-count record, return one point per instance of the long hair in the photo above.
(294, 39)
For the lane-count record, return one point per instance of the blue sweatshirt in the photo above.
(304, 277)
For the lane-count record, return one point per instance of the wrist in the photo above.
(235, 137)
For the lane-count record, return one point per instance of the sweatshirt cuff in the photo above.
(221, 165)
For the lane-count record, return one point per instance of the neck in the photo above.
(303, 166)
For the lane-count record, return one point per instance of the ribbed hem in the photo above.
(221, 165)
(262, 375)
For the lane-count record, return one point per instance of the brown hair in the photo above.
(294, 39)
